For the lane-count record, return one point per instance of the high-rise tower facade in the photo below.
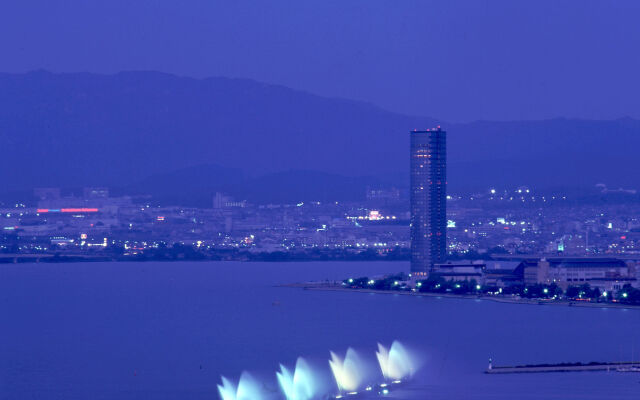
(428, 199)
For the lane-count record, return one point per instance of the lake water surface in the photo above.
(169, 330)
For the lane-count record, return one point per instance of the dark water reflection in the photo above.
(168, 330)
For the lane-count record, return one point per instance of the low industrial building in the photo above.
(605, 273)
(565, 272)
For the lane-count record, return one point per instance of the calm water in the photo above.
(168, 330)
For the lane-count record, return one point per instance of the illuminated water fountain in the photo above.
(297, 386)
(352, 376)
(395, 363)
(347, 371)
(247, 389)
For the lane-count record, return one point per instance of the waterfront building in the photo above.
(605, 273)
(460, 271)
(428, 197)
(503, 274)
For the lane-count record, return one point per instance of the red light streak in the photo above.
(68, 210)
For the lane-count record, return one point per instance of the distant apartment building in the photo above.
(382, 196)
(46, 193)
(428, 155)
(222, 201)
(95, 193)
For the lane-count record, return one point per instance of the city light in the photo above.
(67, 210)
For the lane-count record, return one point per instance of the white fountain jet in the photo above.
(227, 390)
(297, 386)
(395, 363)
(247, 389)
(347, 372)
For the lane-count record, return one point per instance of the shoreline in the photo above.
(48, 258)
(511, 300)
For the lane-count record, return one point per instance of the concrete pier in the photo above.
(625, 366)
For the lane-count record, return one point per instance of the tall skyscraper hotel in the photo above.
(428, 199)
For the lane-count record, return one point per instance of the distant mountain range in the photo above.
(156, 131)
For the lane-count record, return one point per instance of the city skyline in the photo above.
(319, 200)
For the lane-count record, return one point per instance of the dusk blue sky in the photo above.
(457, 60)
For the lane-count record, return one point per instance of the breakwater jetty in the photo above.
(625, 366)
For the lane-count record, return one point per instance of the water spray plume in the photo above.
(346, 372)
(395, 363)
(247, 389)
(227, 390)
(297, 386)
